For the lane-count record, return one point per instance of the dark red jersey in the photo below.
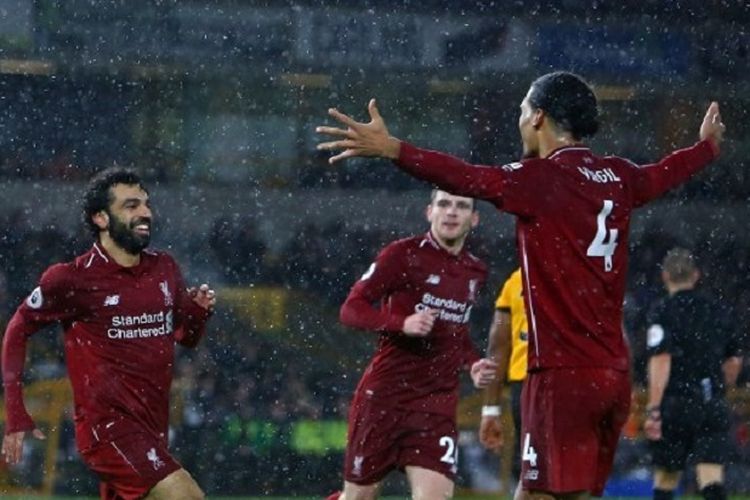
(120, 326)
(420, 374)
(573, 212)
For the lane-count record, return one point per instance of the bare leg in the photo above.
(179, 485)
(427, 484)
(666, 480)
(353, 491)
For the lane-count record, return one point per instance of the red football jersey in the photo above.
(573, 212)
(409, 275)
(120, 326)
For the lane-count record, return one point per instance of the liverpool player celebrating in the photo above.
(122, 308)
(573, 212)
(403, 415)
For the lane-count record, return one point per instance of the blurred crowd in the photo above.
(246, 400)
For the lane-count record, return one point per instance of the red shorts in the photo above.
(128, 460)
(572, 418)
(382, 439)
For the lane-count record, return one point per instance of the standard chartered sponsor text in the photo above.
(462, 309)
(148, 325)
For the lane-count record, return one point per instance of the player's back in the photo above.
(573, 211)
(573, 248)
(700, 336)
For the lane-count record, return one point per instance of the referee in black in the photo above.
(694, 355)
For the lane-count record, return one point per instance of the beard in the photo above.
(125, 236)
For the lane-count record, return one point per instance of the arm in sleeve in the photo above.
(385, 276)
(190, 324)
(49, 302)
(651, 181)
(507, 187)
(17, 418)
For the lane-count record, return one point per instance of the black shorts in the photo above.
(692, 431)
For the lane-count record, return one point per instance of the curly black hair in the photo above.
(98, 195)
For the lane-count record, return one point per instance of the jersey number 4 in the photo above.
(600, 247)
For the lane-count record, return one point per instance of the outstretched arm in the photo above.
(651, 181)
(372, 139)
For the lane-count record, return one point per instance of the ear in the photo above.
(474, 218)
(537, 119)
(664, 276)
(101, 219)
(428, 212)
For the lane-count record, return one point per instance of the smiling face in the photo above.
(128, 218)
(451, 218)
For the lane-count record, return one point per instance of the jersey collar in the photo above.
(429, 239)
(566, 149)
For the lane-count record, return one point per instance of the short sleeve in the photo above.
(504, 299)
(658, 340)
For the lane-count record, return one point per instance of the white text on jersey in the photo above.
(601, 176)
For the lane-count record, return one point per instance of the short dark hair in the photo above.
(679, 264)
(98, 195)
(434, 192)
(568, 100)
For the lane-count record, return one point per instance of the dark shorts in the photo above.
(382, 439)
(128, 460)
(572, 418)
(692, 431)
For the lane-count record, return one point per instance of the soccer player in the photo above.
(122, 308)
(693, 346)
(573, 212)
(508, 344)
(403, 415)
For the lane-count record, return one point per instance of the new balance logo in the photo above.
(433, 279)
(112, 300)
(154, 458)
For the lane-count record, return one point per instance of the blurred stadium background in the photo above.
(215, 103)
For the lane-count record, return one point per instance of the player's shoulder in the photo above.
(412, 244)
(401, 246)
(657, 309)
(161, 256)
(619, 162)
(59, 273)
(475, 263)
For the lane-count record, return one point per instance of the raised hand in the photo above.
(712, 127)
(420, 324)
(203, 296)
(359, 139)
